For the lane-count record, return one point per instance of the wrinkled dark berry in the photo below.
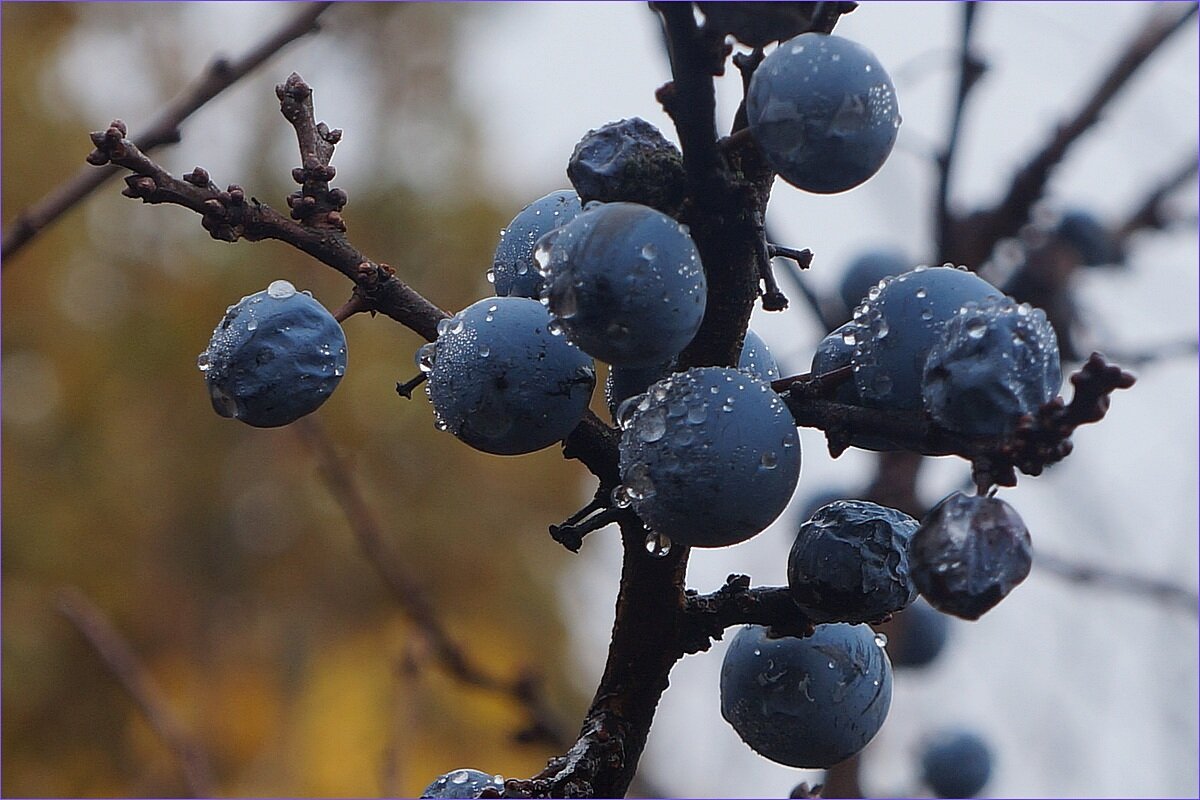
(628, 161)
(969, 553)
(849, 563)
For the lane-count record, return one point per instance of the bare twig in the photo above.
(1162, 591)
(978, 234)
(230, 215)
(411, 597)
(220, 74)
(124, 665)
(970, 70)
(706, 616)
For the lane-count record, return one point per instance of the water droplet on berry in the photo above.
(425, 357)
(281, 290)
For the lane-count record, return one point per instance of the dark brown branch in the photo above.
(1159, 590)
(1037, 442)
(977, 235)
(690, 99)
(220, 74)
(970, 70)
(706, 616)
(406, 590)
(137, 682)
(603, 760)
(230, 216)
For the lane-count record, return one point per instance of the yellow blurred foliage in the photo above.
(216, 550)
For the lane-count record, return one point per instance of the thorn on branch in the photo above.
(592, 517)
(803, 258)
(405, 389)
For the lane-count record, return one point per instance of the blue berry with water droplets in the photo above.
(501, 380)
(756, 358)
(514, 271)
(624, 382)
(867, 270)
(849, 563)
(823, 111)
(625, 282)
(996, 362)
(708, 457)
(276, 356)
(810, 702)
(898, 324)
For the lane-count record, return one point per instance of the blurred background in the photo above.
(225, 563)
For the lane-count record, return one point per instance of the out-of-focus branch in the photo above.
(220, 74)
(406, 590)
(1149, 213)
(976, 235)
(1161, 591)
(124, 665)
(970, 70)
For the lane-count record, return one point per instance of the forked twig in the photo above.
(220, 74)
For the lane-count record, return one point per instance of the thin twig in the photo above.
(220, 74)
(411, 597)
(124, 665)
(970, 70)
(1029, 183)
(1163, 591)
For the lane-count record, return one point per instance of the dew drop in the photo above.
(657, 545)
(649, 251)
(202, 361)
(484, 351)
(921, 293)
(281, 290)
(652, 425)
(769, 460)
(848, 337)
(555, 327)
(927, 314)
(976, 327)
(620, 497)
(426, 356)
(565, 303)
(491, 276)
(880, 640)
